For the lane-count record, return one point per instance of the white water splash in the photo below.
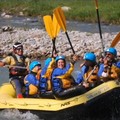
(13, 114)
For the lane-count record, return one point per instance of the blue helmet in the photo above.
(60, 58)
(90, 56)
(33, 64)
(47, 61)
(112, 51)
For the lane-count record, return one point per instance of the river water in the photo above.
(28, 22)
(10, 114)
(24, 22)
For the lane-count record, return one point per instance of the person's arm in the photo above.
(74, 59)
(101, 70)
(5, 61)
(2, 64)
(80, 77)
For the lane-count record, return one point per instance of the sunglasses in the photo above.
(19, 49)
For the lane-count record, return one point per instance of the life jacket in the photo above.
(45, 81)
(31, 89)
(67, 83)
(114, 72)
(67, 80)
(93, 77)
(17, 63)
(117, 70)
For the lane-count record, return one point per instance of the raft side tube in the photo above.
(7, 90)
(71, 92)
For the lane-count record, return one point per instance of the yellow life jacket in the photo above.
(67, 83)
(117, 70)
(49, 86)
(33, 89)
(50, 69)
(66, 79)
(49, 73)
(94, 76)
(114, 72)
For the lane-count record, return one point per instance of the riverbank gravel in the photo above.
(37, 42)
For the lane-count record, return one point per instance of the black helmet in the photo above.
(17, 45)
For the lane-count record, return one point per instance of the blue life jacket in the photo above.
(59, 76)
(30, 79)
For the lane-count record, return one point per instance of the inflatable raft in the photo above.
(101, 97)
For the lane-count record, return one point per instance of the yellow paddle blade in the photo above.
(116, 40)
(56, 26)
(49, 25)
(60, 18)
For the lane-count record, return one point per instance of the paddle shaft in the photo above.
(54, 47)
(62, 22)
(70, 42)
(91, 73)
(99, 25)
(15, 66)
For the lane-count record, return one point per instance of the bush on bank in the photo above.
(81, 10)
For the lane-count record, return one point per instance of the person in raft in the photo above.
(18, 67)
(110, 69)
(62, 79)
(88, 76)
(45, 80)
(32, 80)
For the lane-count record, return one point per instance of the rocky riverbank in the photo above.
(37, 43)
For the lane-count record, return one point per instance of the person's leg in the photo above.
(17, 86)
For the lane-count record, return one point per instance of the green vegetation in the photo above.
(81, 10)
